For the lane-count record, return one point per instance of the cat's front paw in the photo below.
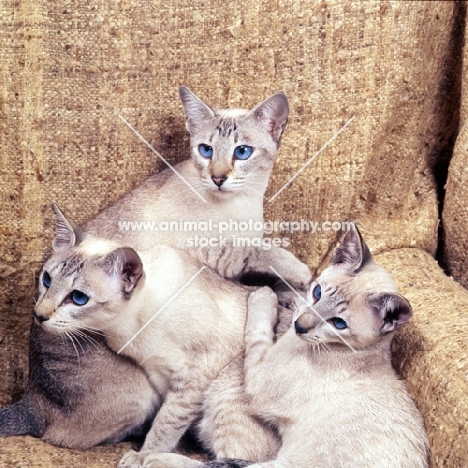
(147, 459)
(170, 460)
(291, 269)
(132, 459)
(262, 307)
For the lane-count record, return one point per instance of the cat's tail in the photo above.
(227, 463)
(18, 419)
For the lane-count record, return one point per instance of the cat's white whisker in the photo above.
(76, 350)
(93, 330)
(188, 195)
(63, 340)
(97, 331)
(76, 335)
(243, 196)
(250, 189)
(88, 338)
(326, 346)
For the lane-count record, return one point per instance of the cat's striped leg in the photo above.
(238, 262)
(227, 463)
(181, 406)
(227, 428)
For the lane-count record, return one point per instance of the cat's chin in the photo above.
(221, 194)
(54, 329)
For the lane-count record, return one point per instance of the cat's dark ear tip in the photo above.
(282, 97)
(282, 94)
(353, 250)
(184, 91)
(59, 214)
(55, 208)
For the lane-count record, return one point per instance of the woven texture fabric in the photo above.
(431, 352)
(455, 214)
(70, 69)
(28, 452)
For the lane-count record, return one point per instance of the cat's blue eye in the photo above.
(46, 279)
(205, 150)
(79, 298)
(318, 292)
(243, 152)
(339, 323)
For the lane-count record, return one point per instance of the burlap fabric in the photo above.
(455, 214)
(70, 68)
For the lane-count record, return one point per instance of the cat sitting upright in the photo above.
(76, 395)
(327, 385)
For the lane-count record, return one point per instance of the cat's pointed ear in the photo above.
(126, 264)
(272, 114)
(392, 310)
(353, 251)
(67, 233)
(196, 111)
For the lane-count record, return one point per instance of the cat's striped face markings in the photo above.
(85, 282)
(67, 292)
(355, 302)
(234, 149)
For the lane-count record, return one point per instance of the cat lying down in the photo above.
(325, 394)
(161, 308)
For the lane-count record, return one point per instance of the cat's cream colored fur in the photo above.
(331, 393)
(69, 380)
(168, 196)
(190, 333)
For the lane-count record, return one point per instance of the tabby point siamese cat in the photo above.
(81, 394)
(181, 334)
(326, 386)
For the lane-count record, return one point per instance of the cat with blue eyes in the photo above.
(242, 152)
(80, 393)
(324, 393)
(182, 336)
(78, 298)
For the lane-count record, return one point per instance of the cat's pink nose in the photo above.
(218, 180)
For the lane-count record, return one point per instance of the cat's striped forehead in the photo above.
(225, 128)
(66, 267)
(227, 124)
(71, 263)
